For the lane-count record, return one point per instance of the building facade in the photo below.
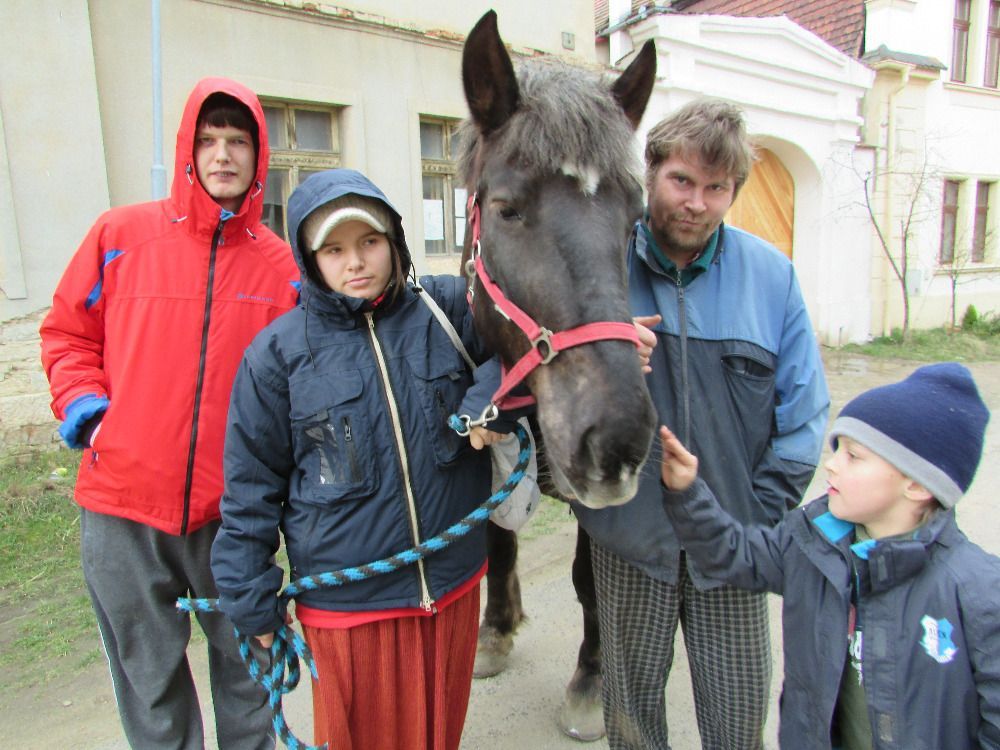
(873, 119)
(374, 85)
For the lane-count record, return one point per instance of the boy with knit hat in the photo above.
(879, 560)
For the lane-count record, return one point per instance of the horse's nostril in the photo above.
(610, 455)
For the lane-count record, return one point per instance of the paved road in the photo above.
(516, 710)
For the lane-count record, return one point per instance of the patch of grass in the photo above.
(979, 343)
(550, 516)
(45, 614)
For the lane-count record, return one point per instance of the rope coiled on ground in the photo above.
(289, 647)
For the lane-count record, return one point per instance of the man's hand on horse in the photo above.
(480, 437)
(647, 339)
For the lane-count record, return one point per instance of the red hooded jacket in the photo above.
(148, 325)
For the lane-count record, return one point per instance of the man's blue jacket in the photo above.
(737, 376)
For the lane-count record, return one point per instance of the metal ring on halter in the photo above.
(545, 337)
(470, 264)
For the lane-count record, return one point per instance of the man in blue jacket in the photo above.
(737, 375)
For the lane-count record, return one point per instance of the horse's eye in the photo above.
(508, 213)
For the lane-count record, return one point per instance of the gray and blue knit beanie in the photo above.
(930, 427)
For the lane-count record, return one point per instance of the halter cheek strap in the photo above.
(545, 344)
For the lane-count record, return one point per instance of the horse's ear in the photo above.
(633, 87)
(488, 76)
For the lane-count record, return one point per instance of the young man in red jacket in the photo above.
(146, 330)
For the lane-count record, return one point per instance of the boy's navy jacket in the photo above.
(931, 621)
(737, 375)
(338, 435)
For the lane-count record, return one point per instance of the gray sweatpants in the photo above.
(135, 574)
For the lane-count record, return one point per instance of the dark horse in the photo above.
(548, 155)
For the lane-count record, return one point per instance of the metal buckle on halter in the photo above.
(470, 264)
(470, 272)
(545, 337)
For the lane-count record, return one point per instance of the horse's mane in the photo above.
(566, 116)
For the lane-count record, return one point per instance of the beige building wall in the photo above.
(76, 97)
(53, 181)
(76, 122)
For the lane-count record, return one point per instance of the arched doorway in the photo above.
(766, 203)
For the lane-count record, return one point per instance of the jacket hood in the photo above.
(186, 193)
(321, 188)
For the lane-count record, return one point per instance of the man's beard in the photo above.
(671, 238)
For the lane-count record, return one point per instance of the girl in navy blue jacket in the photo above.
(338, 439)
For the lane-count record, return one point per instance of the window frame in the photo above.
(293, 163)
(949, 222)
(446, 168)
(991, 65)
(961, 28)
(980, 222)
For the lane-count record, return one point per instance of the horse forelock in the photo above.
(567, 122)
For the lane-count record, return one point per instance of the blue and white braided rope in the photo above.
(288, 646)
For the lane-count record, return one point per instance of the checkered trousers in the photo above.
(728, 644)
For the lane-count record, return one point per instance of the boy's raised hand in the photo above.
(679, 468)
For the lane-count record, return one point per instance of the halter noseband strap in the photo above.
(545, 344)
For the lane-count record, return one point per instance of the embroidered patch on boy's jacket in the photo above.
(937, 639)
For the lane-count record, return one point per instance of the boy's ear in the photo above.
(916, 491)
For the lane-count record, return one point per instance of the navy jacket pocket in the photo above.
(332, 439)
(441, 383)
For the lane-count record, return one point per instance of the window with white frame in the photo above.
(980, 222)
(966, 216)
(949, 222)
(960, 40)
(444, 199)
(304, 139)
(976, 43)
(992, 72)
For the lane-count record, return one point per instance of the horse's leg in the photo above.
(503, 603)
(582, 714)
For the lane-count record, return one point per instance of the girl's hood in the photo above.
(323, 187)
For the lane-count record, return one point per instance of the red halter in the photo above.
(545, 344)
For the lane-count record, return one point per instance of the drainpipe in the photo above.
(159, 172)
(890, 166)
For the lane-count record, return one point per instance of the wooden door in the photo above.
(766, 203)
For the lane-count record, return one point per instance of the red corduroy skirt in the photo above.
(400, 684)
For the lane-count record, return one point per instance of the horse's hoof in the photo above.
(582, 715)
(492, 653)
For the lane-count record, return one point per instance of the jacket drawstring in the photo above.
(312, 359)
